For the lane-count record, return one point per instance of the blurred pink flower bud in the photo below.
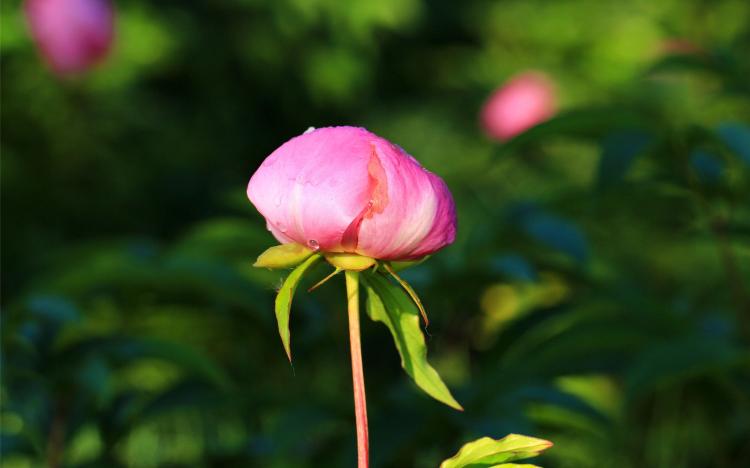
(523, 101)
(344, 189)
(71, 34)
(678, 46)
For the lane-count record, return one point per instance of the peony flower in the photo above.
(71, 34)
(344, 189)
(522, 102)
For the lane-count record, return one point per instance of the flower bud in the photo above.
(71, 34)
(522, 102)
(344, 189)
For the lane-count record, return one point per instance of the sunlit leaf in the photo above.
(284, 300)
(490, 453)
(388, 303)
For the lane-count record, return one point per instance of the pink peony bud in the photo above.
(72, 34)
(523, 101)
(344, 189)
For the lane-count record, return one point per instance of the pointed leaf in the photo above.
(404, 264)
(388, 303)
(490, 453)
(284, 300)
(283, 256)
(410, 291)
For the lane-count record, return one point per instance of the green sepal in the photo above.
(388, 303)
(350, 261)
(283, 256)
(284, 300)
(490, 453)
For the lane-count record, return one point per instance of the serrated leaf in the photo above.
(284, 300)
(388, 303)
(490, 453)
(283, 256)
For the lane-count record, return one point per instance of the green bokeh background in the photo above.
(598, 294)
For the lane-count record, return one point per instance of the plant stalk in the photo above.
(358, 376)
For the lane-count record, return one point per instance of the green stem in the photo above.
(358, 376)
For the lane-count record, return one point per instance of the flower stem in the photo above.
(358, 376)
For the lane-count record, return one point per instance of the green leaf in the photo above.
(490, 453)
(283, 256)
(284, 300)
(515, 465)
(389, 304)
(404, 264)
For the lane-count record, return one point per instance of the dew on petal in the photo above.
(313, 244)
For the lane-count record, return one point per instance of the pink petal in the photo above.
(344, 189)
(313, 186)
(415, 221)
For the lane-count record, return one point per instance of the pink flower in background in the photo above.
(71, 34)
(523, 101)
(678, 46)
(344, 189)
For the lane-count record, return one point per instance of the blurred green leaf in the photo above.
(708, 167)
(490, 453)
(284, 300)
(188, 393)
(53, 309)
(389, 304)
(737, 138)
(619, 150)
(557, 233)
(128, 349)
(679, 360)
(579, 123)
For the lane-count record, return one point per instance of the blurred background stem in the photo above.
(56, 441)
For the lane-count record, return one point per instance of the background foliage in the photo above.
(597, 296)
